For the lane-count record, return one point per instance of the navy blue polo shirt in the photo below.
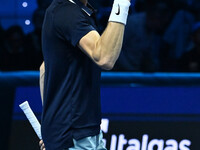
(71, 108)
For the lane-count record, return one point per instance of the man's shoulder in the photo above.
(63, 8)
(64, 12)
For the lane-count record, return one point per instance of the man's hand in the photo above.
(41, 144)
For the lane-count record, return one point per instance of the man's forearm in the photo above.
(109, 44)
(105, 49)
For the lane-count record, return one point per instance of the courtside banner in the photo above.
(158, 135)
(162, 114)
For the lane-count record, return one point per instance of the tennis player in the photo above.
(74, 54)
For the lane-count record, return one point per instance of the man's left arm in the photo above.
(42, 75)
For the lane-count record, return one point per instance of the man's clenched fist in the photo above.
(41, 144)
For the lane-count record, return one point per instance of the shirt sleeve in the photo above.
(71, 23)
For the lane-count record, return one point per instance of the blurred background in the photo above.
(150, 100)
(161, 36)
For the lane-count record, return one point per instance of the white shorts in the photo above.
(89, 143)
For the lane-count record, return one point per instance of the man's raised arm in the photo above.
(104, 50)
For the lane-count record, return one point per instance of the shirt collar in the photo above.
(89, 10)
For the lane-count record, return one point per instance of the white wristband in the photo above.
(119, 11)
